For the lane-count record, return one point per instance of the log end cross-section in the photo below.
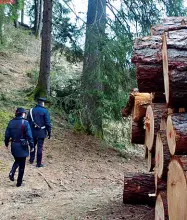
(177, 191)
(161, 207)
(152, 121)
(177, 133)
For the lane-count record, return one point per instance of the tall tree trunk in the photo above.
(38, 17)
(92, 67)
(16, 13)
(22, 14)
(43, 87)
(1, 23)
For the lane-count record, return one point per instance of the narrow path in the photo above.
(81, 180)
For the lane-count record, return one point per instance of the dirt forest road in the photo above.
(81, 180)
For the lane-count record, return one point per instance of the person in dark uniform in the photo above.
(19, 132)
(40, 123)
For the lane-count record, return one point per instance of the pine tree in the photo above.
(92, 86)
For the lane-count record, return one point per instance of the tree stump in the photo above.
(161, 207)
(137, 187)
(177, 188)
(162, 155)
(152, 121)
(176, 133)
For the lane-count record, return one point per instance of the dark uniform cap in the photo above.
(20, 110)
(42, 99)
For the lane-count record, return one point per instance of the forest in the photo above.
(80, 55)
(97, 95)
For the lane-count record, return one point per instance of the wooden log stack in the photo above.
(159, 120)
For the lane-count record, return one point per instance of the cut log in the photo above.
(147, 50)
(142, 100)
(137, 187)
(169, 24)
(163, 123)
(150, 161)
(160, 184)
(162, 155)
(176, 133)
(150, 77)
(158, 97)
(175, 87)
(174, 54)
(161, 207)
(177, 189)
(152, 121)
(174, 21)
(148, 60)
(130, 103)
(137, 132)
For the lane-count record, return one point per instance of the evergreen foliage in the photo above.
(107, 52)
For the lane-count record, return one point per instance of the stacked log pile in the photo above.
(158, 109)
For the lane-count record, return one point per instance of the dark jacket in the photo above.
(18, 128)
(41, 117)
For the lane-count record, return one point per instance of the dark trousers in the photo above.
(39, 142)
(19, 162)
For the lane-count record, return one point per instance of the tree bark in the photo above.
(162, 155)
(153, 117)
(147, 57)
(174, 52)
(150, 161)
(137, 132)
(150, 77)
(91, 81)
(16, 13)
(177, 93)
(147, 50)
(38, 17)
(1, 23)
(137, 187)
(161, 207)
(160, 184)
(169, 24)
(22, 15)
(43, 86)
(177, 188)
(175, 20)
(176, 133)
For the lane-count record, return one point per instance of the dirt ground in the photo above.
(82, 179)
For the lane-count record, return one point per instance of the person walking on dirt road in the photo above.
(39, 120)
(19, 133)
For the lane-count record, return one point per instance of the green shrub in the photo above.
(5, 117)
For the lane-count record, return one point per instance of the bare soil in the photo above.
(82, 177)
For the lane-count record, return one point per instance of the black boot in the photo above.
(18, 184)
(11, 176)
